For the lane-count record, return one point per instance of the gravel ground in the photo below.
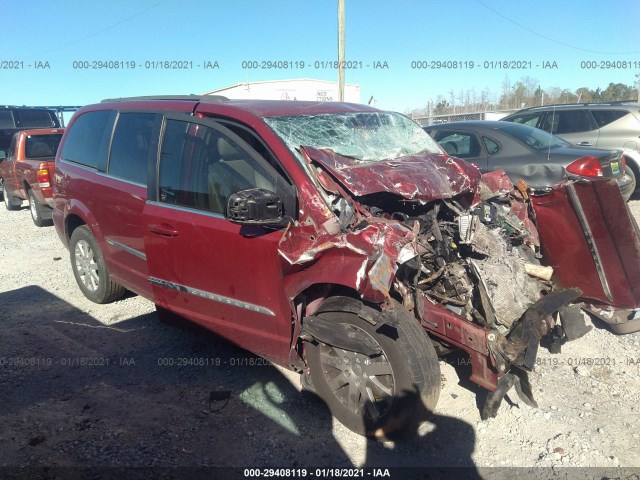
(85, 385)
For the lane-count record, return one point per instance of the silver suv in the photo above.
(604, 125)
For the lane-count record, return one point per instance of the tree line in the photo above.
(524, 93)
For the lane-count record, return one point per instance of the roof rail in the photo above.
(585, 104)
(193, 98)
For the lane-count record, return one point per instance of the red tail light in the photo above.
(43, 177)
(588, 166)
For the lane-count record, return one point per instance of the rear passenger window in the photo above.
(569, 121)
(130, 147)
(605, 117)
(88, 138)
(201, 167)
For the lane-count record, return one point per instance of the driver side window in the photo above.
(200, 167)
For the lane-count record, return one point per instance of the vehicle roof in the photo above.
(594, 105)
(14, 107)
(261, 108)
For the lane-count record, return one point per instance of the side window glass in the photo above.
(460, 144)
(257, 145)
(201, 167)
(605, 117)
(37, 118)
(6, 119)
(130, 147)
(570, 121)
(491, 146)
(88, 138)
(530, 119)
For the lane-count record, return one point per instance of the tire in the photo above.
(629, 171)
(9, 201)
(89, 268)
(385, 396)
(36, 211)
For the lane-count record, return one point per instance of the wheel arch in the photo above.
(71, 222)
(634, 165)
(306, 303)
(78, 214)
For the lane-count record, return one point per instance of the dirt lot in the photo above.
(85, 385)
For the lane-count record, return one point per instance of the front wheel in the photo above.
(90, 269)
(36, 211)
(385, 395)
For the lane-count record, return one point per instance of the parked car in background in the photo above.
(26, 172)
(339, 241)
(604, 125)
(528, 153)
(14, 119)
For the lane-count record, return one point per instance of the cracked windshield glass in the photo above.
(365, 136)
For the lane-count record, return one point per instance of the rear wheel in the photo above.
(90, 269)
(629, 171)
(36, 211)
(385, 395)
(9, 201)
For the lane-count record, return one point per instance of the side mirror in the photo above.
(255, 206)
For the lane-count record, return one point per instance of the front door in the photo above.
(223, 276)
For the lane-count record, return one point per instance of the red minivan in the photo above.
(339, 241)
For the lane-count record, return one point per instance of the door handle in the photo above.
(163, 229)
(585, 144)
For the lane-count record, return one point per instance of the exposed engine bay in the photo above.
(475, 262)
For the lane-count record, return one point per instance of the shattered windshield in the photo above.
(366, 136)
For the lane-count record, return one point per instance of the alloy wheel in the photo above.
(87, 265)
(364, 385)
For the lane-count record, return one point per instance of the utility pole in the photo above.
(341, 50)
(638, 82)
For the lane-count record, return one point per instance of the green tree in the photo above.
(618, 91)
(441, 108)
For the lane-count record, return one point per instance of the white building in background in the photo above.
(293, 89)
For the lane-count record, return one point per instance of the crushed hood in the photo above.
(422, 177)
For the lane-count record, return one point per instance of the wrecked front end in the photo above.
(461, 254)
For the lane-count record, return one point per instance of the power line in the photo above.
(552, 39)
(109, 27)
